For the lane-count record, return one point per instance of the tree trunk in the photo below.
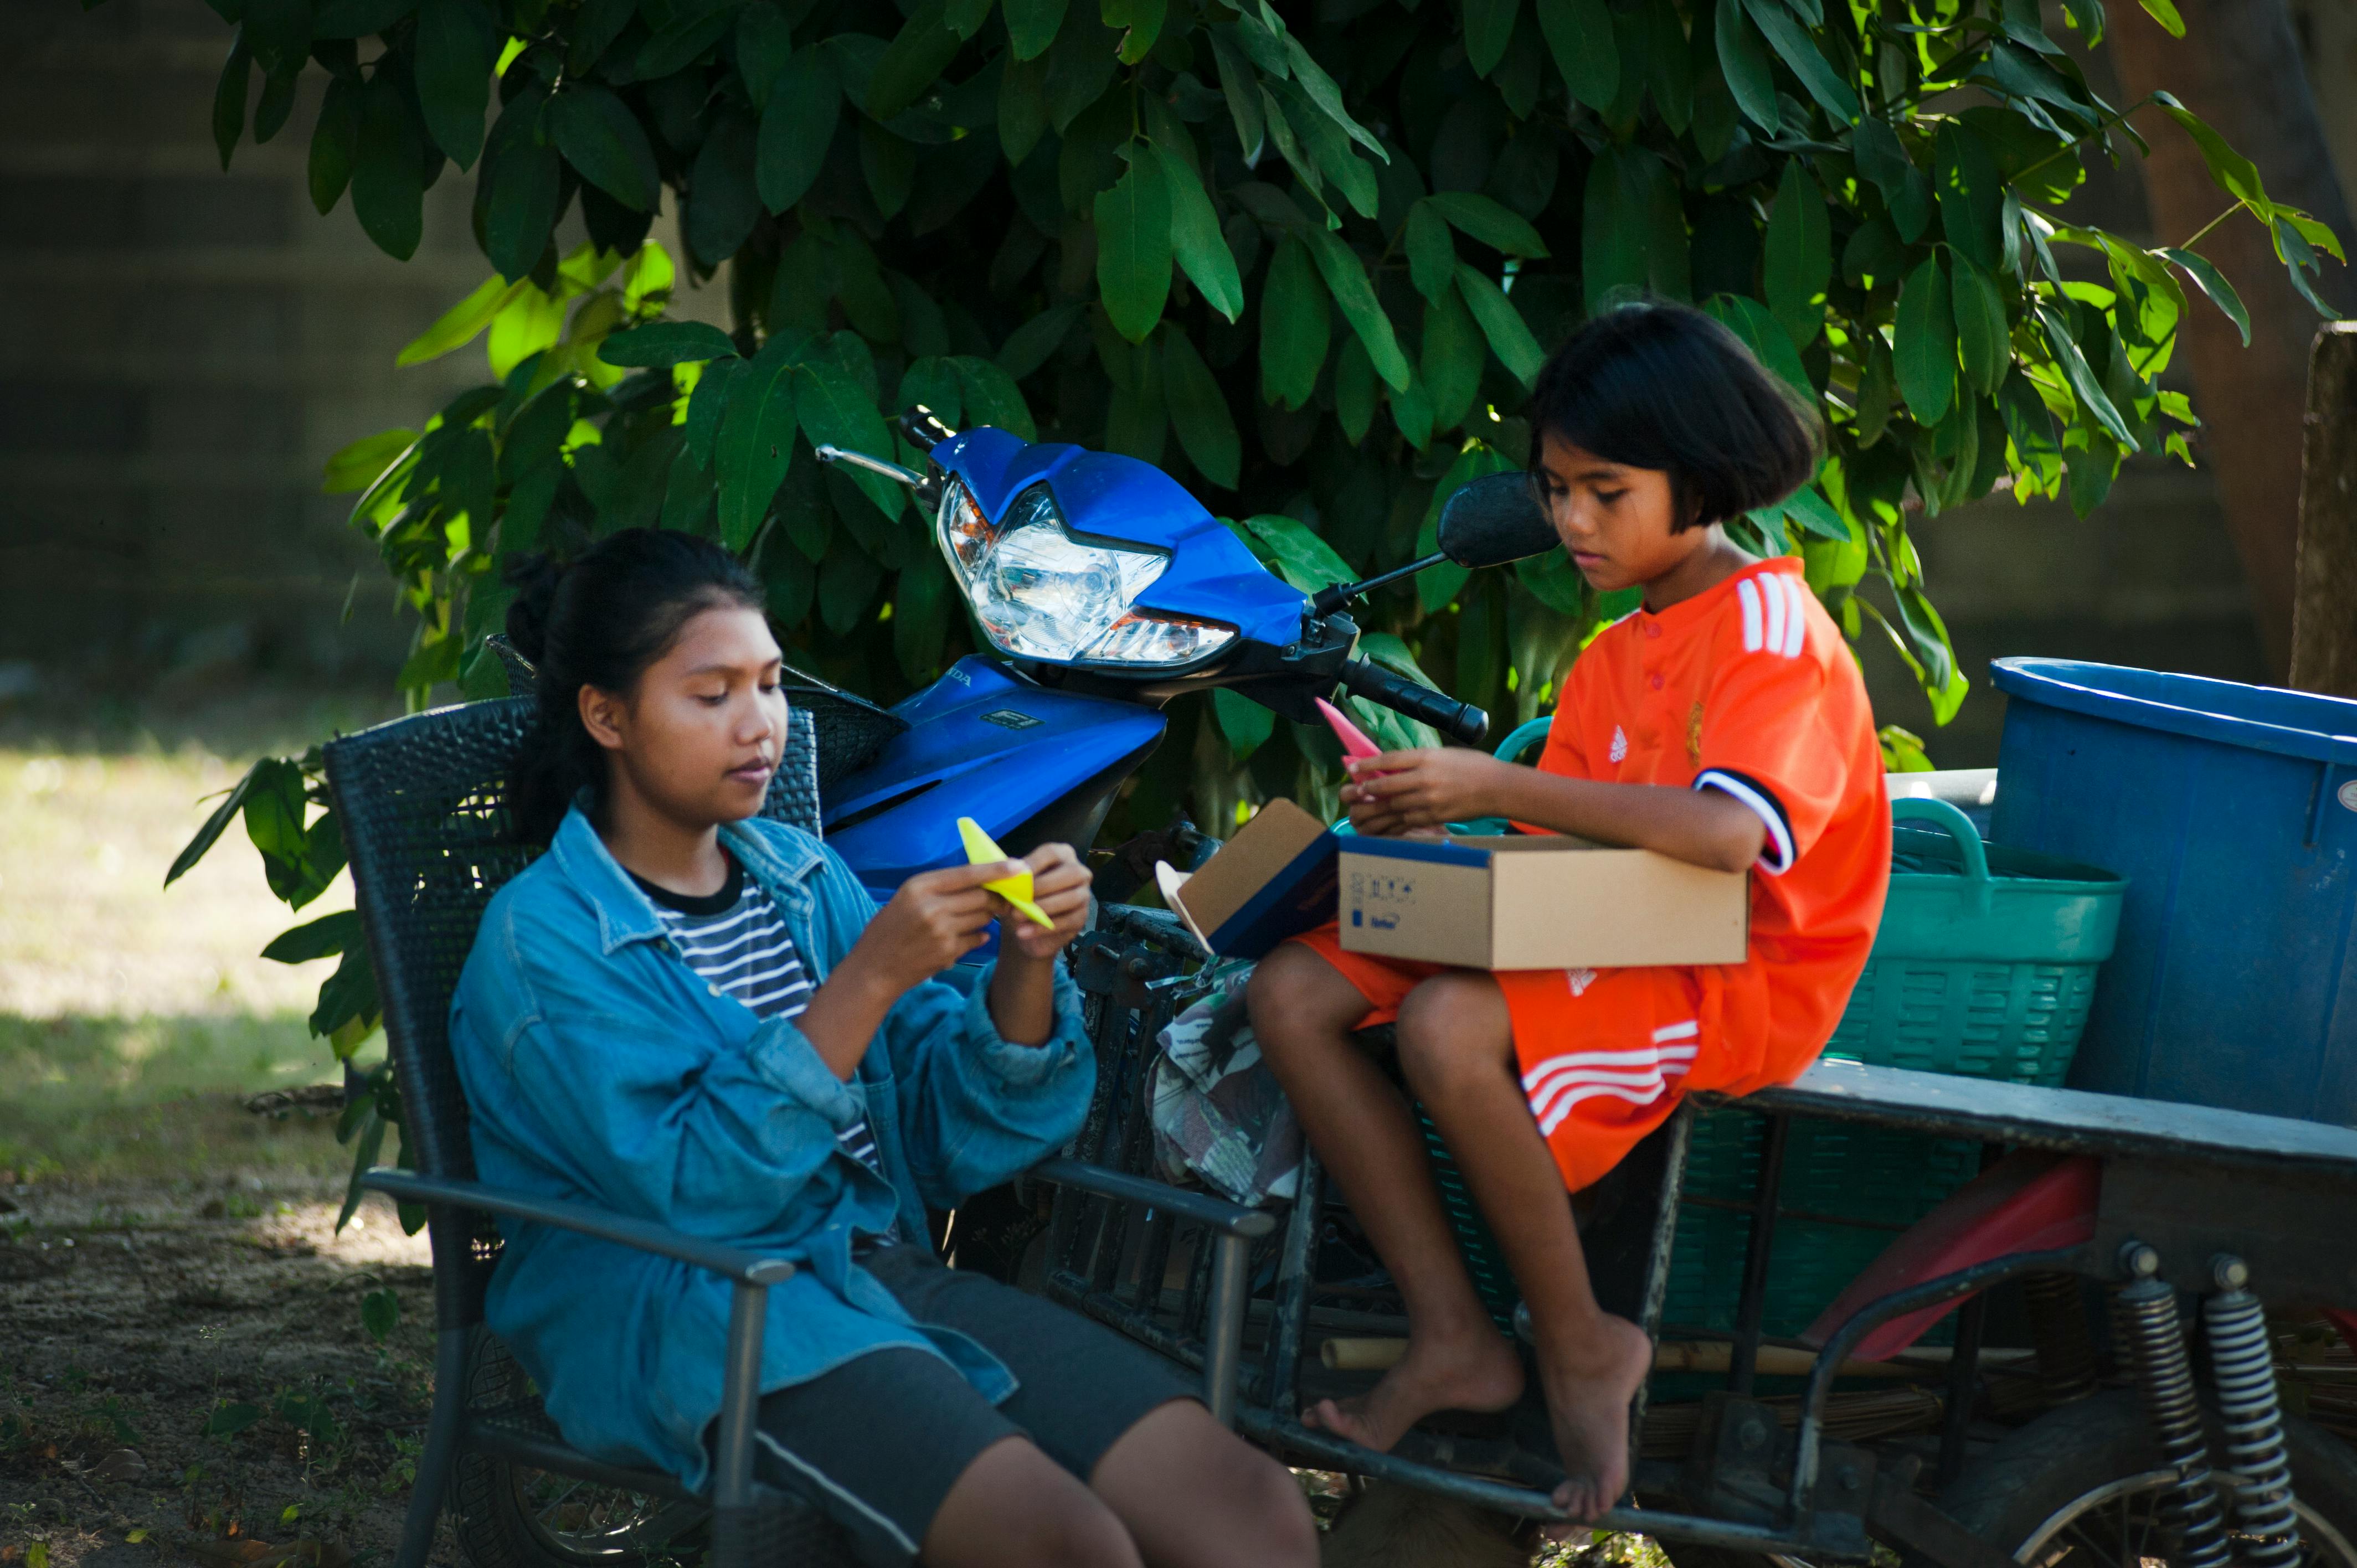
(2324, 619)
(2238, 67)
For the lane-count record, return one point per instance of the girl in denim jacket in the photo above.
(689, 1015)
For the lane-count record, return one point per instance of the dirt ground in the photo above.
(184, 1368)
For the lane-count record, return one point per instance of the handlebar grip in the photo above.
(1458, 721)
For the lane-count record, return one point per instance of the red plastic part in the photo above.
(2344, 1319)
(2027, 1202)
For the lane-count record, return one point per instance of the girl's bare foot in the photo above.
(1474, 1369)
(1588, 1388)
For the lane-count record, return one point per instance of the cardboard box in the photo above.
(1273, 880)
(1546, 902)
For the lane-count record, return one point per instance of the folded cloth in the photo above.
(1219, 1114)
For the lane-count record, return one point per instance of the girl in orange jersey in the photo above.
(1724, 724)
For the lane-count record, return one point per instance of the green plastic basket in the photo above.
(1984, 967)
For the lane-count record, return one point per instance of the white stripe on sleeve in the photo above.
(1777, 612)
(1746, 591)
(1776, 858)
(1796, 624)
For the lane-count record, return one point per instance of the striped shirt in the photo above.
(736, 943)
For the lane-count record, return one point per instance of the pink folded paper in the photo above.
(1355, 744)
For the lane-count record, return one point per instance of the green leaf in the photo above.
(1632, 229)
(1769, 343)
(2164, 12)
(1329, 148)
(992, 397)
(723, 204)
(1743, 57)
(1489, 222)
(1972, 195)
(1510, 336)
(1981, 330)
(923, 607)
(1295, 325)
(796, 129)
(1028, 346)
(1195, 237)
(356, 467)
(223, 814)
(229, 96)
(601, 138)
(1489, 28)
(693, 31)
(1431, 253)
(1877, 392)
(1794, 46)
(1454, 352)
(1346, 280)
(1300, 558)
(1133, 223)
(1579, 36)
(2084, 385)
(1411, 412)
(1354, 389)
(1199, 412)
(1141, 24)
(834, 407)
(323, 937)
(1798, 263)
(660, 343)
(456, 41)
(1925, 355)
(1304, 70)
(847, 584)
(380, 1314)
(919, 52)
(2213, 283)
(755, 445)
(335, 142)
(459, 324)
(965, 17)
(1032, 25)
(389, 175)
(765, 41)
(1242, 89)
(2230, 170)
(1243, 723)
(526, 179)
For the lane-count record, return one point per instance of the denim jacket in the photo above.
(599, 1068)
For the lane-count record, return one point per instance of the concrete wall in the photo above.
(183, 349)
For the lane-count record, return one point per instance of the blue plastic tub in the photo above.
(2232, 811)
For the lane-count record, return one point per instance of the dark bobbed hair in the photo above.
(599, 622)
(1654, 385)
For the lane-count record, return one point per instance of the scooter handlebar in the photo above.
(1458, 721)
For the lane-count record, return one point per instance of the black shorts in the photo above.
(878, 1442)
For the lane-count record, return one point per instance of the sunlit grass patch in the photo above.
(114, 1099)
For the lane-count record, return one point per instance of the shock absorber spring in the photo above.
(2156, 1347)
(2058, 1324)
(2242, 1360)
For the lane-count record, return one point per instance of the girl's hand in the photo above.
(936, 919)
(1402, 792)
(1060, 886)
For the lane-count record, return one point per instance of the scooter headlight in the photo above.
(1041, 593)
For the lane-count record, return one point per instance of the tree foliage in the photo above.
(1308, 259)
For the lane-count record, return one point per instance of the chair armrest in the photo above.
(733, 1262)
(1231, 1219)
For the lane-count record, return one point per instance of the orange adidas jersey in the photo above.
(1748, 687)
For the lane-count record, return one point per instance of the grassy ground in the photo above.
(167, 1255)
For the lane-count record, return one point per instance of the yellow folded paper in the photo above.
(1017, 889)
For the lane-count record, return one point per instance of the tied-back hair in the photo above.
(600, 622)
(1653, 385)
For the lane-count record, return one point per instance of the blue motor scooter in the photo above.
(1108, 590)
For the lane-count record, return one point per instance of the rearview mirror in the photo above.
(1493, 521)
